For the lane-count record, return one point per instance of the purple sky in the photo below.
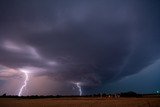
(95, 43)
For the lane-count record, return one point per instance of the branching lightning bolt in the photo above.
(25, 82)
(79, 88)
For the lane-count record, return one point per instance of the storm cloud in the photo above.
(90, 41)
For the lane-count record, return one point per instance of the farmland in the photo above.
(80, 102)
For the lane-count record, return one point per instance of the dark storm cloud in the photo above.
(93, 42)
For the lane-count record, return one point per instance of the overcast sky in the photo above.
(104, 45)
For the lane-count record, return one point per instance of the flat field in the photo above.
(80, 102)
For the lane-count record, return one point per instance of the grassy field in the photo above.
(80, 102)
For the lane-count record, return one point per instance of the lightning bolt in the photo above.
(79, 88)
(25, 81)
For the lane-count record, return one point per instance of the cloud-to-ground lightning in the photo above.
(25, 81)
(79, 87)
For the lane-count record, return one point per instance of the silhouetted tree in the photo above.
(4, 95)
(130, 94)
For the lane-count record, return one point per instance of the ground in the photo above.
(80, 102)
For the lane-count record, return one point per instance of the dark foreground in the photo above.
(80, 102)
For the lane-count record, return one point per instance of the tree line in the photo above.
(98, 95)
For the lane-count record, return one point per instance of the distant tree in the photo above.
(4, 95)
(130, 94)
(104, 95)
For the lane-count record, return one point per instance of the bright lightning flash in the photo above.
(25, 81)
(79, 87)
